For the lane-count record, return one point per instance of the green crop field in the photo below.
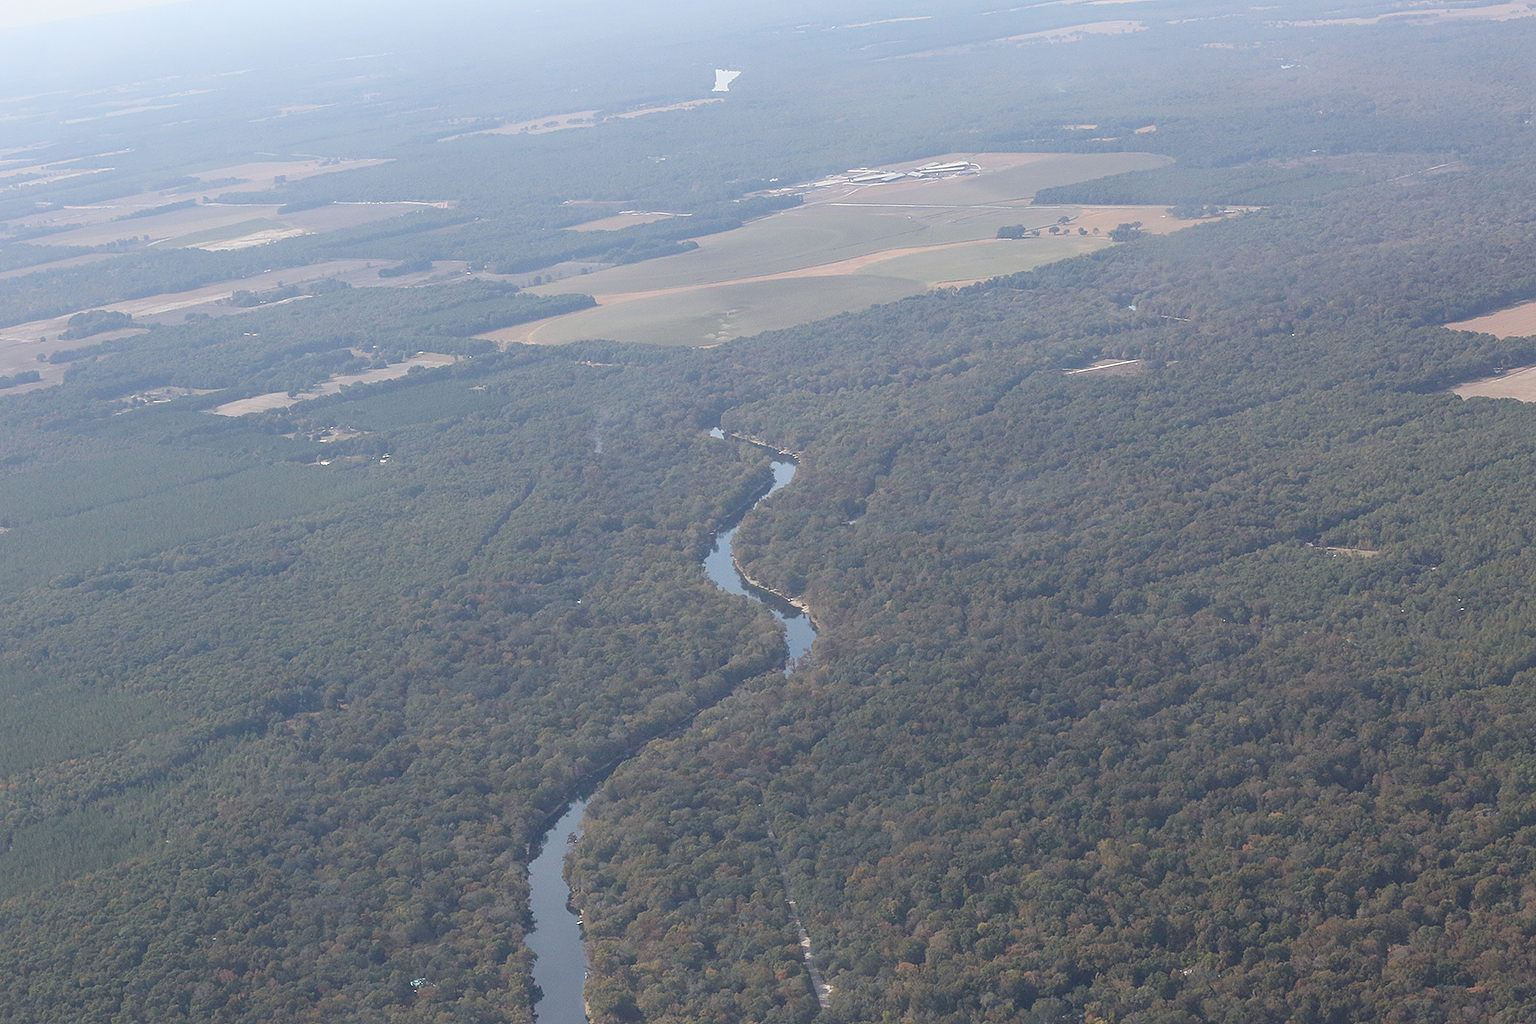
(984, 259)
(714, 295)
(716, 313)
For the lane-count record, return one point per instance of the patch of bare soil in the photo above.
(620, 221)
(282, 399)
(1519, 384)
(1111, 368)
(1514, 322)
(1492, 12)
(578, 119)
(1069, 34)
(689, 105)
(1098, 220)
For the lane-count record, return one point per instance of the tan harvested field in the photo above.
(263, 175)
(889, 21)
(845, 248)
(620, 221)
(302, 108)
(98, 224)
(47, 173)
(686, 105)
(578, 119)
(265, 234)
(20, 345)
(1514, 322)
(1073, 33)
(282, 400)
(65, 264)
(537, 126)
(1155, 220)
(1491, 12)
(711, 314)
(1069, 34)
(1519, 384)
(215, 226)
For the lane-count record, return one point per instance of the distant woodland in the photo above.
(1203, 693)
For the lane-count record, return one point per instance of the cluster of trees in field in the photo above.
(320, 286)
(24, 377)
(96, 321)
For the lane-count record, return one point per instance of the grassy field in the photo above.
(844, 249)
(211, 225)
(715, 313)
(979, 261)
(19, 344)
(711, 314)
(97, 223)
(228, 232)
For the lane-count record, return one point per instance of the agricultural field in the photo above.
(23, 346)
(1519, 384)
(214, 226)
(1490, 12)
(847, 247)
(202, 222)
(620, 221)
(578, 119)
(1514, 322)
(283, 399)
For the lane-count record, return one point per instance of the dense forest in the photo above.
(1198, 693)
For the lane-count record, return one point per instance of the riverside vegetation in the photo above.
(1198, 694)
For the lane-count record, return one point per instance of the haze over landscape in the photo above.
(914, 512)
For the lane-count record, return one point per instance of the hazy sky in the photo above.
(16, 13)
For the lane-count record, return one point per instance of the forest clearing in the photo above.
(283, 399)
(578, 119)
(1514, 322)
(901, 239)
(23, 344)
(1519, 384)
(150, 213)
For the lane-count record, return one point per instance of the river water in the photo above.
(798, 632)
(561, 968)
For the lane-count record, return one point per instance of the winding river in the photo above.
(561, 968)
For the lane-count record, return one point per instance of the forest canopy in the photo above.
(1174, 655)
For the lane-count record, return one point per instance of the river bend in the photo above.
(560, 970)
